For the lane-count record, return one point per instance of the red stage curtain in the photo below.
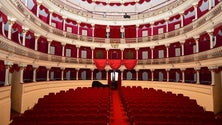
(129, 63)
(100, 63)
(115, 63)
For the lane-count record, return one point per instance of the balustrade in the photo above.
(183, 30)
(14, 49)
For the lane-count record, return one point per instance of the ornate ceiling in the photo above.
(116, 7)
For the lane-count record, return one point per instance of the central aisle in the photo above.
(118, 115)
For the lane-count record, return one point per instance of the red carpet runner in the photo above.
(118, 115)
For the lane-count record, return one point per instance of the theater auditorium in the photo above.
(110, 62)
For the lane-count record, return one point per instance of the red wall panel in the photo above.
(100, 31)
(114, 31)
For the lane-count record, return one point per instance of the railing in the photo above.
(194, 25)
(13, 48)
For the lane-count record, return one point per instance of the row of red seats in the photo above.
(79, 106)
(156, 107)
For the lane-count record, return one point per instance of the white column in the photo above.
(92, 52)
(210, 33)
(209, 5)
(212, 70)
(151, 26)
(93, 31)
(50, 16)
(137, 30)
(47, 76)
(181, 19)
(49, 45)
(63, 49)
(36, 41)
(38, 7)
(196, 38)
(107, 31)
(21, 74)
(6, 75)
(195, 10)
(183, 75)
(77, 73)
(77, 52)
(198, 75)
(151, 52)
(64, 23)
(167, 50)
(91, 74)
(26, 2)
(182, 47)
(10, 22)
(34, 73)
(167, 24)
(24, 36)
(122, 71)
(3, 29)
(152, 74)
(137, 51)
(62, 73)
(122, 31)
(168, 75)
(137, 72)
(121, 53)
(212, 77)
(107, 74)
(78, 29)
(107, 54)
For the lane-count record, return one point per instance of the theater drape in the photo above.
(129, 63)
(115, 63)
(100, 63)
